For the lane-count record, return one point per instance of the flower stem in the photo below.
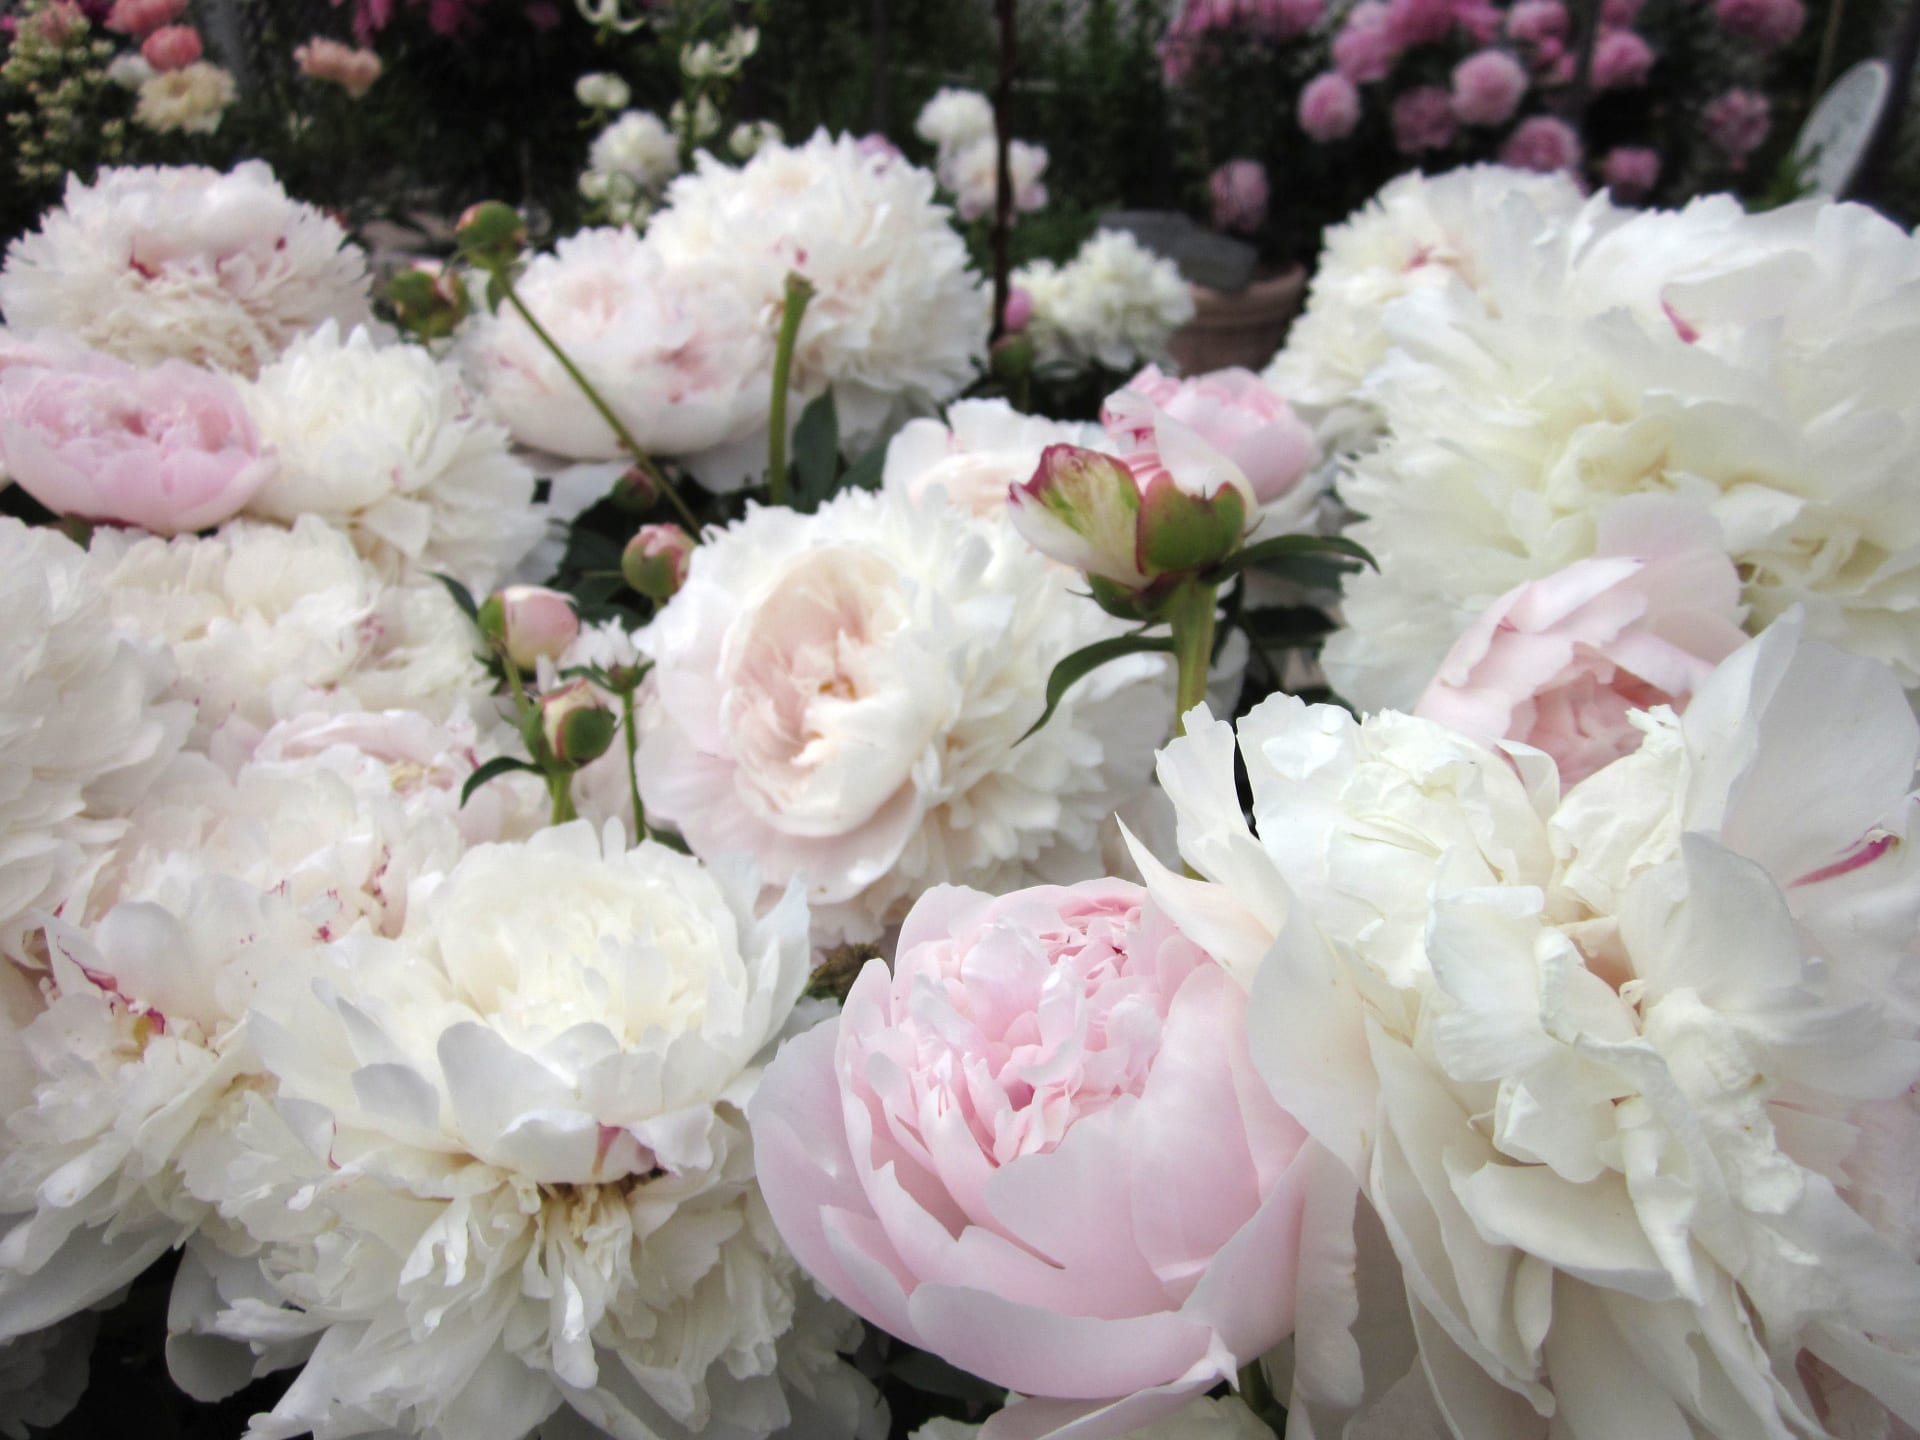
(633, 767)
(800, 293)
(625, 436)
(1191, 615)
(1257, 1392)
(560, 788)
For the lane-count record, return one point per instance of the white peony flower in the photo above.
(638, 147)
(1420, 232)
(840, 696)
(43, 1375)
(266, 623)
(193, 98)
(684, 361)
(84, 725)
(954, 119)
(1662, 354)
(972, 174)
(1593, 1059)
(983, 447)
(896, 315)
(386, 443)
(509, 1171)
(223, 270)
(1115, 304)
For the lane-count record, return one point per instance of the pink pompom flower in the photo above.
(1038, 1148)
(1533, 21)
(1413, 23)
(1621, 60)
(169, 449)
(1620, 13)
(1234, 411)
(1544, 143)
(1487, 88)
(1737, 122)
(171, 47)
(1423, 120)
(142, 17)
(1631, 172)
(1329, 107)
(1363, 51)
(1769, 24)
(1240, 196)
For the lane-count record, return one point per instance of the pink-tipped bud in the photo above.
(491, 234)
(428, 301)
(575, 723)
(656, 559)
(171, 47)
(1019, 311)
(530, 622)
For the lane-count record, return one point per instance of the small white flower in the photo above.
(954, 119)
(192, 98)
(637, 147)
(1115, 304)
(602, 90)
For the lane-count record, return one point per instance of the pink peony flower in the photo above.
(1329, 107)
(1769, 24)
(1620, 13)
(1487, 87)
(170, 449)
(332, 63)
(1543, 143)
(1234, 411)
(1413, 23)
(1423, 120)
(1631, 173)
(1534, 21)
(1019, 313)
(141, 17)
(1363, 51)
(1239, 196)
(171, 47)
(1561, 663)
(1737, 123)
(1478, 20)
(1621, 60)
(1039, 1150)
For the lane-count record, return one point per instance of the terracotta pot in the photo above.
(1239, 329)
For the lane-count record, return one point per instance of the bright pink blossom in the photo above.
(1544, 143)
(1413, 23)
(1769, 24)
(1423, 120)
(1240, 196)
(171, 47)
(1232, 410)
(1038, 1148)
(1621, 60)
(142, 17)
(1533, 21)
(1737, 123)
(1363, 51)
(170, 448)
(1329, 107)
(1487, 87)
(1631, 172)
(1561, 663)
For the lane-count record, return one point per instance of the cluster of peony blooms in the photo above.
(959, 124)
(1113, 306)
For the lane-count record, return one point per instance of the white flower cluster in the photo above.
(1115, 304)
(960, 126)
(629, 164)
(1616, 1072)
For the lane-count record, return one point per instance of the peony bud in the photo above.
(635, 492)
(575, 723)
(171, 47)
(491, 234)
(530, 622)
(427, 301)
(602, 91)
(655, 562)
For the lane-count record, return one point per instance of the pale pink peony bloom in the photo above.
(1631, 172)
(1769, 24)
(1544, 143)
(169, 449)
(1487, 88)
(1534, 21)
(332, 63)
(1038, 1149)
(531, 622)
(1737, 123)
(1232, 410)
(140, 17)
(1423, 120)
(1240, 196)
(1363, 51)
(1621, 60)
(1562, 663)
(1329, 107)
(171, 47)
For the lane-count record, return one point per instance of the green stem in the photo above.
(1258, 1394)
(633, 767)
(620, 431)
(1191, 615)
(799, 294)
(560, 788)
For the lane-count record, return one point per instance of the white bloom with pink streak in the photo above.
(981, 448)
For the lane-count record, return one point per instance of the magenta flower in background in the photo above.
(1363, 51)
(1038, 1148)
(1412, 23)
(1536, 20)
(1631, 172)
(1620, 13)
(1487, 87)
(1240, 195)
(1544, 143)
(1479, 19)
(1737, 123)
(1621, 60)
(1423, 120)
(170, 448)
(1329, 107)
(1769, 24)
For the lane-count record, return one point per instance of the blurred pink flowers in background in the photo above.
(1738, 122)
(1240, 195)
(353, 70)
(171, 47)
(1329, 107)
(1423, 120)
(1487, 87)
(1769, 24)
(1544, 143)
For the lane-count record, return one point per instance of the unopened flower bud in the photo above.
(1019, 312)
(655, 562)
(1012, 359)
(491, 234)
(575, 723)
(427, 301)
(635, 492)
(530, 622)
(602, 91)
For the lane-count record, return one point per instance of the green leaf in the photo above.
(498, 766)
(864, 473)
(460, 596)
(816, 453)
(1085, 661)
(1283, 548)
(496, 291)
(931, 1375)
